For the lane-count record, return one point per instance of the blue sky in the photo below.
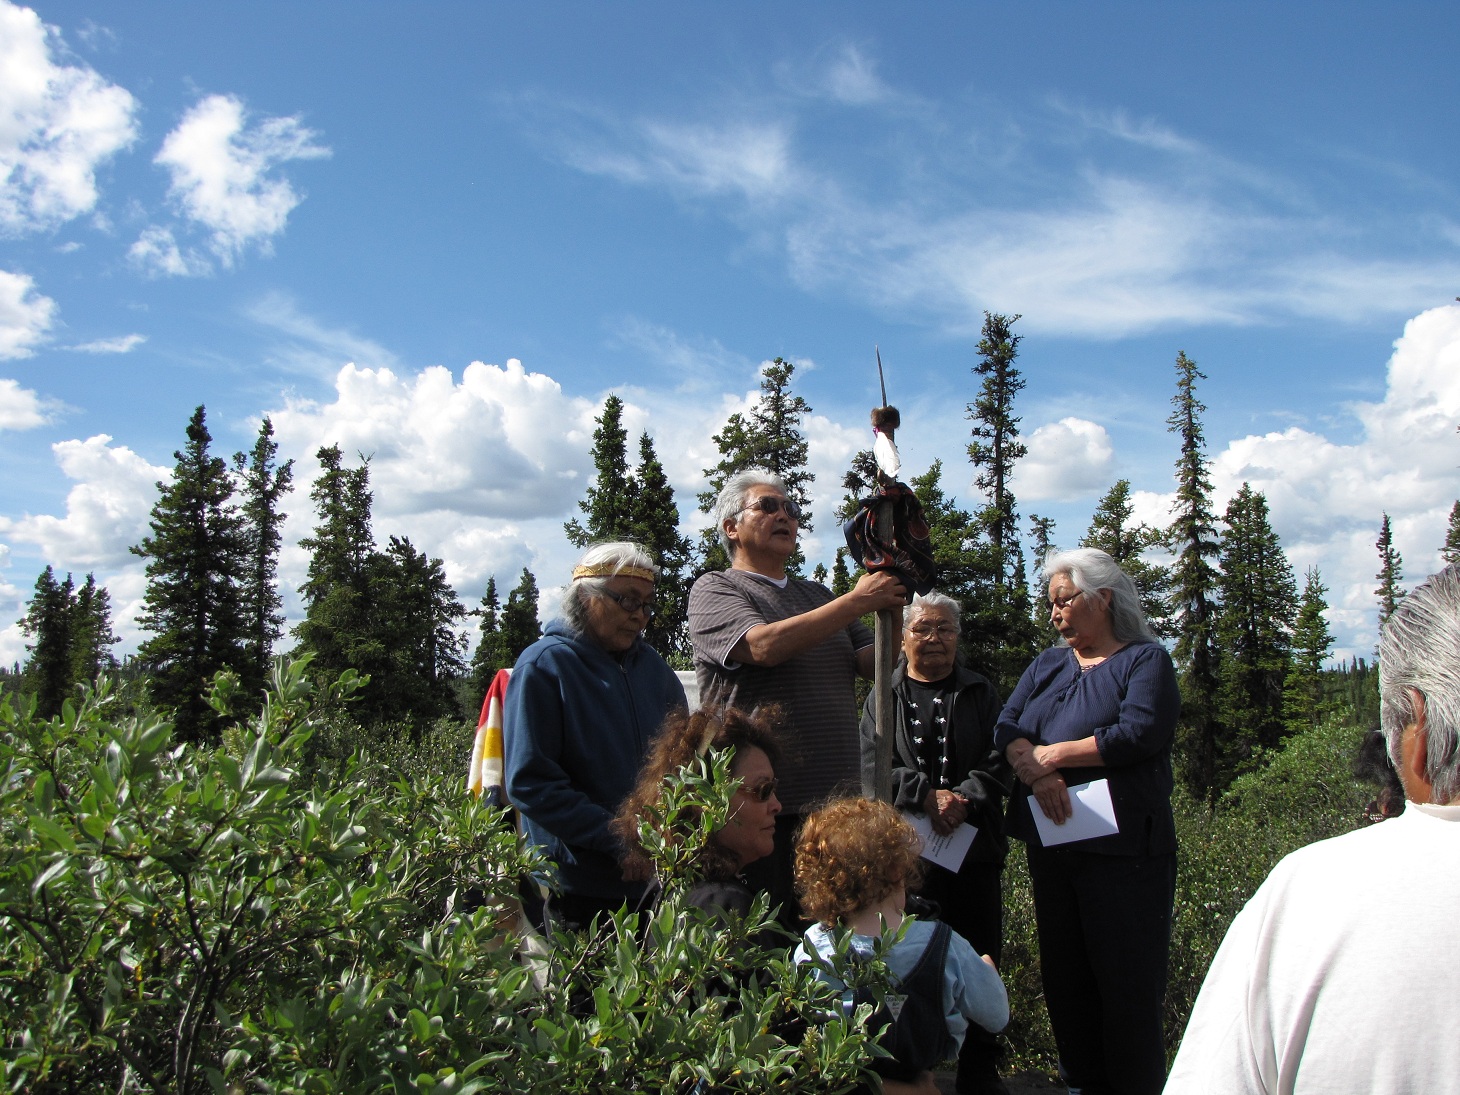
(440, 234)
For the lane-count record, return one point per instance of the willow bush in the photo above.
(181, 919)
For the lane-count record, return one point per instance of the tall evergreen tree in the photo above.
(196, 564)
(768, 437)
(995, 447)
(1000, 632)
(263, 483)
(1450, 550)
(1112, 532)
(48, 620)
(841, 577)
(91, 632)
(1041, 532)
(520, 628)
(608, 503)
(414, 610)
(1254, 629)
(654, 523)
(1193, 540)
(1391, 573)
(336, 589)
(490, 654)
(1305, 700)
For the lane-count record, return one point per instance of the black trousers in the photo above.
(1104, 938)
(971, 902)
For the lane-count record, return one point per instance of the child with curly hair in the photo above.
(855, 861)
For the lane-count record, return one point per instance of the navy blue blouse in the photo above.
(1129, 703)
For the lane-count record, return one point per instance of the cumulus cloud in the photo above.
(21, 408)
(1327, 498)
(58, 125)
(106, 511)
(157, 254)
(224, 172)
(1066, 460)
(25, 315)
(121, 344)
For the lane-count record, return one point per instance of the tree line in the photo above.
(1249, 645)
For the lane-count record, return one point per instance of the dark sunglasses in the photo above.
(768, 503)
(762, 792)
(631, 604)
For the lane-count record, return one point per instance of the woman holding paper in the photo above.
(946, 769)
(1102, 706)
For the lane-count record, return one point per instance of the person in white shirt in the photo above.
(1340, 974)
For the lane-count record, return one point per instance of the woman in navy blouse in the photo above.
(1102, 705)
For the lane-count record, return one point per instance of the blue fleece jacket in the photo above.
(576, 726)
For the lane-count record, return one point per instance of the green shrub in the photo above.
(179, 919)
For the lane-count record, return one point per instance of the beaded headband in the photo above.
(610, 570)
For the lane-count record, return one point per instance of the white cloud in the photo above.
(1090, 222)
(21, 408)
(121, 344)
(157, 254)
(305, 345)
(25, 315)
(58, 124)
(223, 172)
(106, 511)
(1327, 499)
(1066, 460)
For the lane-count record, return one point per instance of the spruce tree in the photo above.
(1391, 573)
(490, 654)
(91, 632)
(1041, 532)
(196, 564)
(1112, 532)
(1254, 629)
(768, 437)
(654, 523)
(336, 627)
(1450, 550)
(263, 483)
(1193, 540)
(608, 502)
(520, 628)
(1000, 630)
(414, 610)
(48, 620)
(995, 447)
(841, 577)
(1305, 702)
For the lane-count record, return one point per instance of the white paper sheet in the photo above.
(946, 851)
(1094, 815)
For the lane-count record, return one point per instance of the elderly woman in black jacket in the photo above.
(945, 766)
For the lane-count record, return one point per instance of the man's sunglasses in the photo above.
(631, 604)
(769, 503)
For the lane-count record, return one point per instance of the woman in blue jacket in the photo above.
(582, 706)
(1102, 705)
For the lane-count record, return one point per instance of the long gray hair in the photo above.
(731, 500)
(1417, 655)
(1093, 570)
(611, 559)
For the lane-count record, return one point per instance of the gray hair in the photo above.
(617, 555)
(1417, 655)
(932, 601)
(731, 500)
(1092, 570)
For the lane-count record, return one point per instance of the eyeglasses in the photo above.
(942, 631)
(763, 791)
(631, 604)
(1063, 603)
(769, 503)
